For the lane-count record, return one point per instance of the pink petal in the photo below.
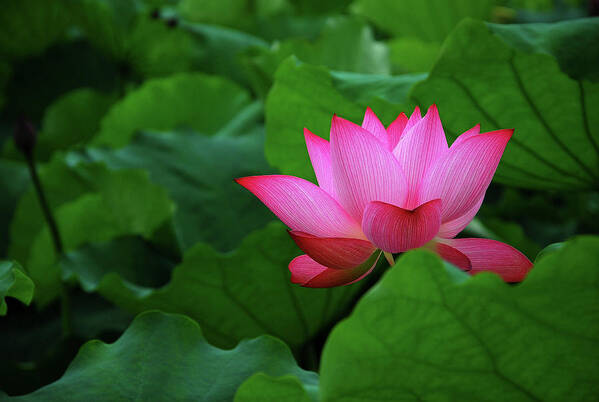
(334, 252)
(372, 124)
(320, 156)
(418, 149)
(394, 229)
(461, 176)
(415, 117)
(451, 229)
(452, 255)
(302, 205)
(467, 134)
(363, 169)
(492, 255)
(307, 272)
(396, 129)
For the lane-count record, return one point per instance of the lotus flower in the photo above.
(388, 191)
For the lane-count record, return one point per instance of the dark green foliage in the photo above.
(145, 111)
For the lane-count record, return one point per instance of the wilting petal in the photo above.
(415, 118)
(363, 169)
(462, 175)
(307, 272)
(491, 255)
(396, 129)
(418, 149)
(394, 229)
(320, 156)
(467, 134)
(372, 124)
(451, 229)
(302, 205)
(334, 252)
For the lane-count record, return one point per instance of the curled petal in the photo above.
(302, 205)
(462, 175)
(452, 255)
(488, 255)
(396, 129)
(418, 149)
(307, 272)
(372, 124)
(363, 169)
(320, 157)
(337, 253)
(394, 229)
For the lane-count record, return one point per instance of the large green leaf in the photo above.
(412, 55)
(428, 20)
(125, 31)
(233, 13)
(165, 357)
(35, 352)
(308, 96)
(28, 27)
(555, 145)
(221, 49)
(536, 212)
(71, 120)
(101, 205)
(14, 180)
(202, 102)
(62, 183)
(198, 173)
(37, 82)
(233, 296)
(264, 388)
(344, 44)
(575, 43)
(139, 263)
(429, 332)
(5, 73)
(14, 283)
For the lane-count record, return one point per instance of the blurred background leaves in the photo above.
(147, 110)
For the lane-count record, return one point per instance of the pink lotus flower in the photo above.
(388, 190)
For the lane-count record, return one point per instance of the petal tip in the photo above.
(242, 181)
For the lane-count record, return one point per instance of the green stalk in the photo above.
(55, 235)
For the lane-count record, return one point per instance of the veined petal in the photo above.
(334, 252)
(415, 118)
(490, 255)
(394, 229)
(451, 229)
(372, 124)
(396, 129)
(467, 134)
(320, 155)
(418, 149)
(363, 169)
(451, 255)
(462, 175)
(302, 205)
(307, 272)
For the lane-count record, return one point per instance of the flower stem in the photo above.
(389, 258)
(55, 235)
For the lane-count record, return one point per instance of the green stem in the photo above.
(55, 235)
